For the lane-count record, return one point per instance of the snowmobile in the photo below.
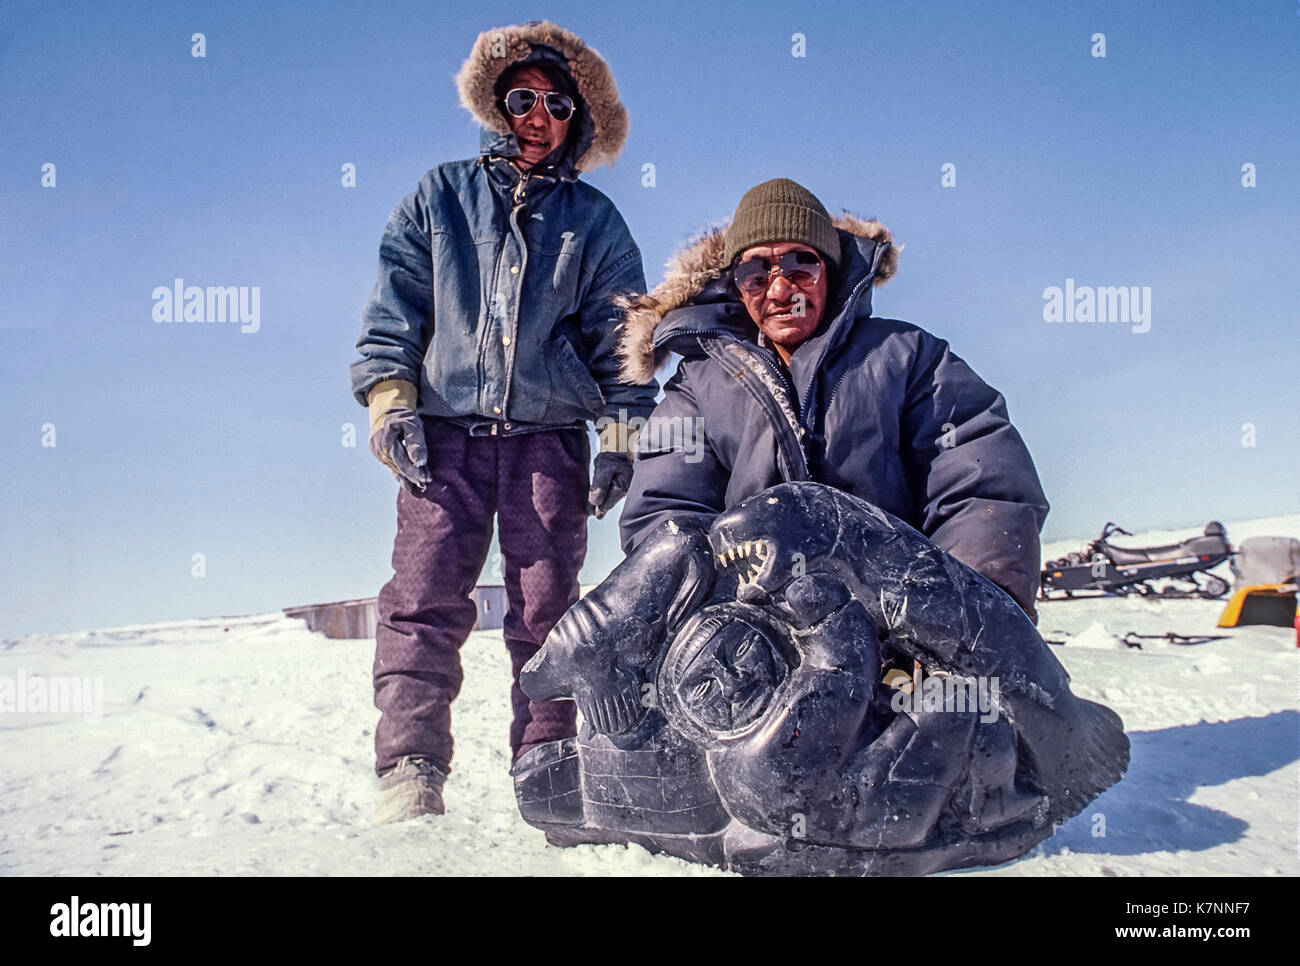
(1102, 566)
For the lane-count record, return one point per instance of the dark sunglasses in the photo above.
(520, 102)
(801, 268)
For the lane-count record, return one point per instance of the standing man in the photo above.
(488, 342)
(788, 376)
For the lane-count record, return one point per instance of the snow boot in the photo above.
(411, 789)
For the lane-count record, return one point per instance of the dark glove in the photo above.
(611, 478)
(396, 433)
(398, 442)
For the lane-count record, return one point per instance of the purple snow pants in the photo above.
(536, 485)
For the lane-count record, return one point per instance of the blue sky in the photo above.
(225, 170)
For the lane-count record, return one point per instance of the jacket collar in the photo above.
(557, 165)
(505, 177)
(859, 262)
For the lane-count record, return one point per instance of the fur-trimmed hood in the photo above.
(697, 274)
(602, 117)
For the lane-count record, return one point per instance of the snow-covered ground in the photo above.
(242, 745)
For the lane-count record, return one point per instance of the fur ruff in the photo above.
(589, 71)
(689, 271)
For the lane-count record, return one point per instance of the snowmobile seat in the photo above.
(1121, 556)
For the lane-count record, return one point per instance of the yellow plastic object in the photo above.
(1277, 600)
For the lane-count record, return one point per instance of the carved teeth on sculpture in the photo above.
(754, 552)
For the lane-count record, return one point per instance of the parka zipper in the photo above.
(485, 332)
(509, 324)
(785, 381)
(852, 300)
(519, 198)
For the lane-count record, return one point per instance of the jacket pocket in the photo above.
(572, 381)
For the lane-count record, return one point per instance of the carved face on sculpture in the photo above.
(722, 672)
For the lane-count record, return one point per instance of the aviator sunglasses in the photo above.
(801, 268)
(520, 101)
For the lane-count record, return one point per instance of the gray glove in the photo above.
(398, 442)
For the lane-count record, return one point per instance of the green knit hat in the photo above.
(781, 210)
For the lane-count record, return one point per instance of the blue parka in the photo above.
(495, 288)
(877, 407)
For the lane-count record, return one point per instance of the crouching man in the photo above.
(787, 376)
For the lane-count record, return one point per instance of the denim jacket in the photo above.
(494, 297)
